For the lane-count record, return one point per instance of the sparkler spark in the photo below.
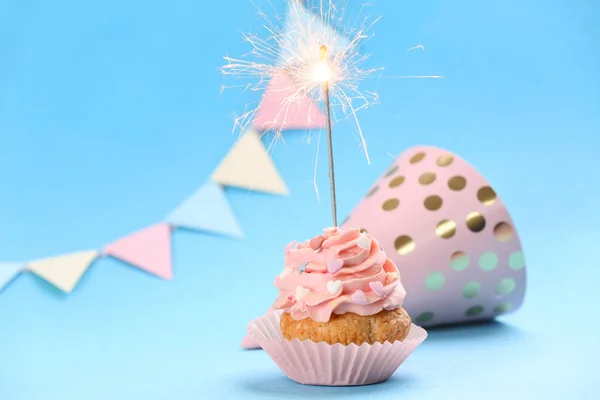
(294, 45)
(419, 46)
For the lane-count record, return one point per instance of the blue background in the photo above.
(111, 114)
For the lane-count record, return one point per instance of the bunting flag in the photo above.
(8, 271)
(64, 271)
(206, 210)
(276, 112)
(248, 166)
(148, 250)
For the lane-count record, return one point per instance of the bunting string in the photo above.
(247, 165)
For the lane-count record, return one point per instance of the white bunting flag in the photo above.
(248, 166)
(64, 271)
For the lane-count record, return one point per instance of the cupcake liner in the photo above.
(322, 364)
(249, 343)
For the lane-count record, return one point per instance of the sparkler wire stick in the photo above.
(329, 140)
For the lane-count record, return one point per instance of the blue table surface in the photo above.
(111, 114)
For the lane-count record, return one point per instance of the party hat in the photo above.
(450, 235)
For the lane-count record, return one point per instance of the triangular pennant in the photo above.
(207, 210)
(63, 271)
(311, 31)
(9, 270)
(148, 249)
(282, 108)
(247, 165)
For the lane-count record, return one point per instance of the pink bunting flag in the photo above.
(148, 249)
(282, 108)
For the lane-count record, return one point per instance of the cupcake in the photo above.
(340, 287)
(338, 319)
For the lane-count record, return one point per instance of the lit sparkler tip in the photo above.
(323, 52)
(322, 71)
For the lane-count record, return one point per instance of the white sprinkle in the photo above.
(364, 242)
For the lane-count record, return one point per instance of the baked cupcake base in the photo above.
(385, 326)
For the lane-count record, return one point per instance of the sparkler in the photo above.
(323, 64)
(323, 73)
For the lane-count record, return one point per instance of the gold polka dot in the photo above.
(372, 191)
(433, 203)
(397, 181)
(391, 171)
(503, 232)
(404, 245)
(390, 204)
(446, 229)
(457, 183)
(445, 160)
(363, 230)
(427, 178)
(486, 195)
(417, 158)
(475, 222)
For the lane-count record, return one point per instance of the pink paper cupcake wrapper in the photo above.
(322, 364)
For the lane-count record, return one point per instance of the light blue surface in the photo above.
(207, 209)
(8, 271)
(110, 115)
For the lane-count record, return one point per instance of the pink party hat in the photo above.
(449, 233)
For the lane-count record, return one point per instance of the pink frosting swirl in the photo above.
(338, 272)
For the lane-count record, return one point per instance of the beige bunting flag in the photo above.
(64, 271)
(248, 166)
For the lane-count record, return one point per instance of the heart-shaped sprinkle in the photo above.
(288, 248)
(301, 292)
(315, 243)
(334, 287)
(334, 266)
(377, 287)
(286, 271)
(392, 276)
(302, 267)
(364, 242)
(359, 297)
